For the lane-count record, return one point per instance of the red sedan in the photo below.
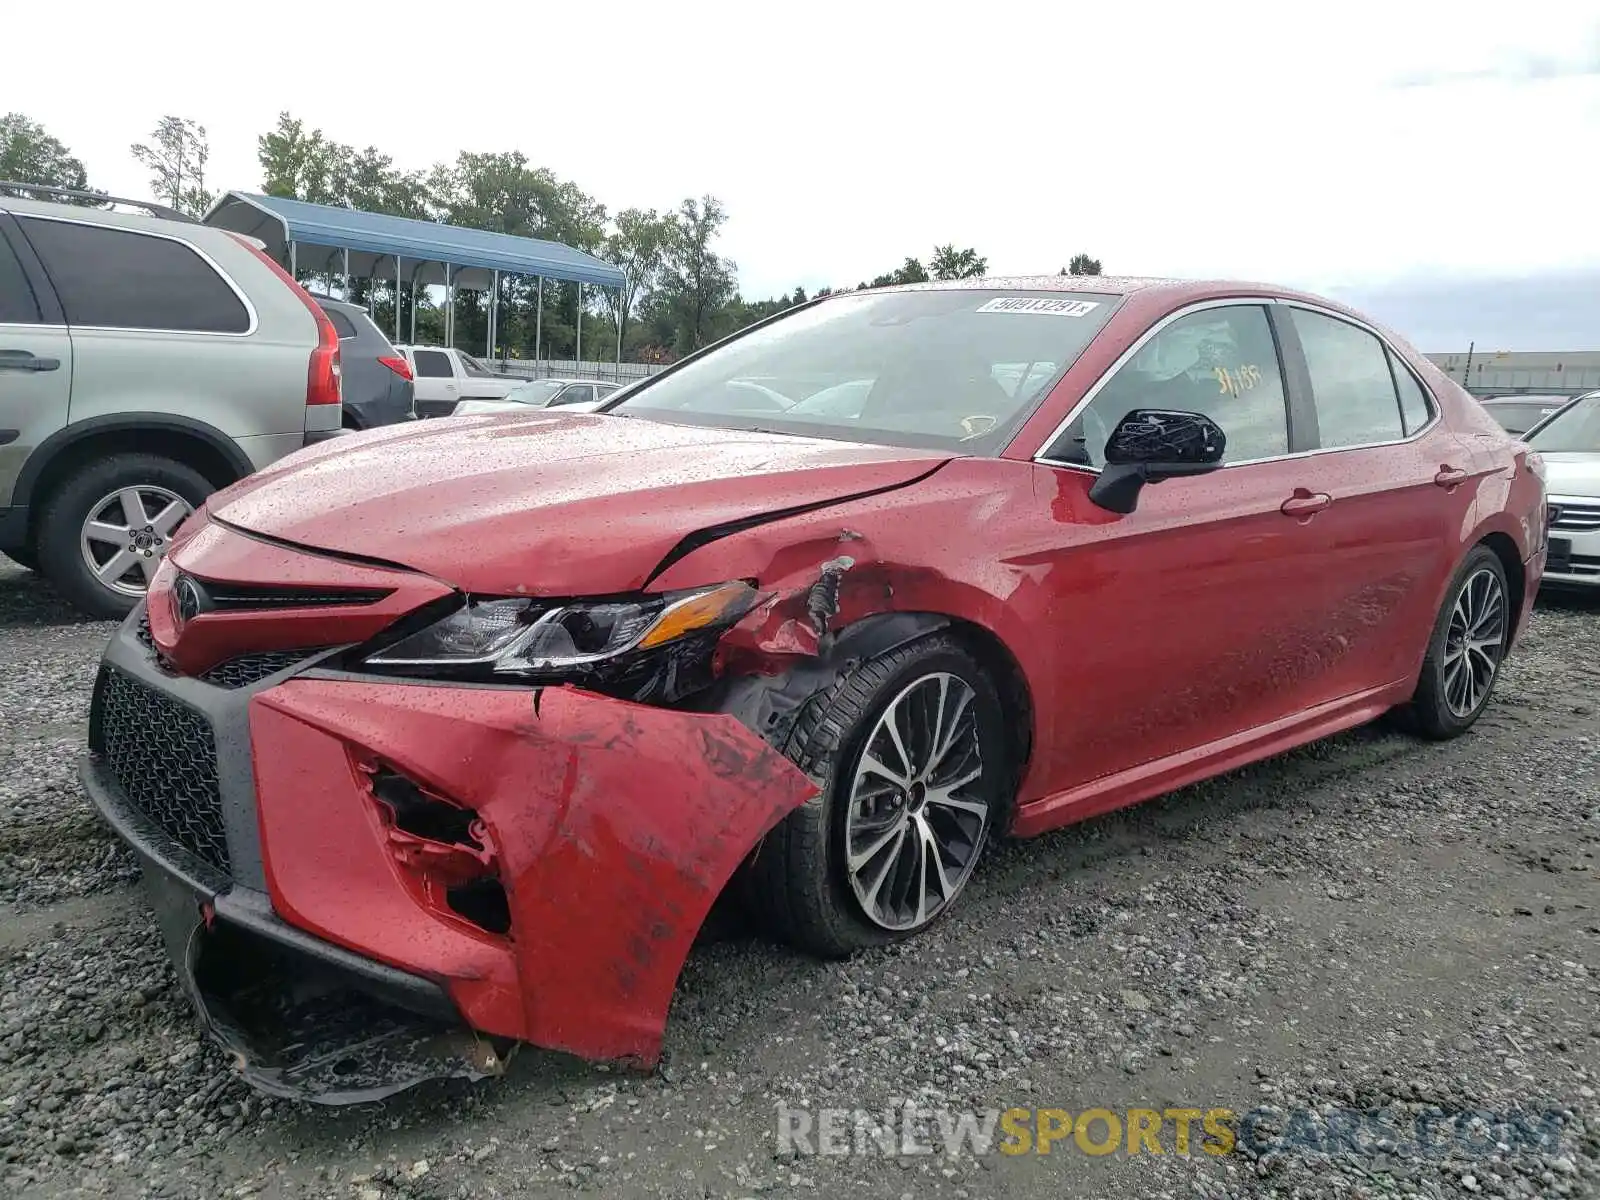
(438, 739)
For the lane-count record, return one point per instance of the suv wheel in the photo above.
(105, 530)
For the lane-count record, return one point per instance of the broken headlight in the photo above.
(543, 638)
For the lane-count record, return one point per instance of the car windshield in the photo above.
(537, 393)
(940, 368)
(1575, 429)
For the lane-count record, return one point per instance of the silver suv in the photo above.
(146, 360)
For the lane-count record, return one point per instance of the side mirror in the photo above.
(1152, 444)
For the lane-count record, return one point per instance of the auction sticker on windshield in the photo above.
(1047, 305)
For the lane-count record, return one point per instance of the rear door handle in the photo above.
(1449, 476)
(26, 360)
(1305, 503)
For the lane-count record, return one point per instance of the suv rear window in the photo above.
(119, 279)
(343, 325)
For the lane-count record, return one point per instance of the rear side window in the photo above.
(1350, 382)
(1415, 410)
(343, 325)
(432, 364)
(18, 306)
(118, 279)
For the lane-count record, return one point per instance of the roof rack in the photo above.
(33, 190)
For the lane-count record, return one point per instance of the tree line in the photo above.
(680, 293)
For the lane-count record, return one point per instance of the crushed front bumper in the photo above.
(313, 836)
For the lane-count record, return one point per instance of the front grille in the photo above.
(164, 758)
(253, 668)
(1575, 518)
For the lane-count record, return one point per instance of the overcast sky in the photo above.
(1368, 148)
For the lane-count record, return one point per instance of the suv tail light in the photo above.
(396, 364)
(323, 384)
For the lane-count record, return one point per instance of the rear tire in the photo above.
(799, 884)
(69, 507)
(1465, 650)
(26, 559)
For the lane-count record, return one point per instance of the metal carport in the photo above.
(353, 243)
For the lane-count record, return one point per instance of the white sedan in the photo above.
(578, 395)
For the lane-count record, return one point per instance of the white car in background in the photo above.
(1569, 441)
(444, 376)
(574, 395)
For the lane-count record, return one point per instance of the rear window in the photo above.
(120, 279)
(344, 325)
(951, 368)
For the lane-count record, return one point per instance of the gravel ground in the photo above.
(1370, 924)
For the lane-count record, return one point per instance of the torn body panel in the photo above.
(614, 827)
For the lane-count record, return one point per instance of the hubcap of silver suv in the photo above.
(126, 534)
(918, 813)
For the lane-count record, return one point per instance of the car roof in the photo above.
(1159, 290)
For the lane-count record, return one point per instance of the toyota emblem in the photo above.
(191, 600)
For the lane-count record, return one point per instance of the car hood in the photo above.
(545, 503)
(1571, 474)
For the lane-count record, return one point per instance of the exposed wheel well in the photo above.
(189, 449)
(1007, 674)
(1516, 577)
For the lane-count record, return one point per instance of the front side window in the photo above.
(1220, 362)
(577, 393)
(1350, 382)
(1573, 430)
(432, 364)
(957, 369)
(118, 279)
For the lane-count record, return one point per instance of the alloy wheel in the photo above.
(1474, 641)
(917, 811)
(126, 535)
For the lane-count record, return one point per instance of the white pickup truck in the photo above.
(446, 376)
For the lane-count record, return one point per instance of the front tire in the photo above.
(1465, 650)
(104, 530)
(912, 750)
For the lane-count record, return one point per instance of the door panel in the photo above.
(1192, 618)
(1384, 542)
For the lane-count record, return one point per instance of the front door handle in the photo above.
(1449, 476)
(26, 360)
(1305, 503)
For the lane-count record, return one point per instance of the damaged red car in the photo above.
(437, 740)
